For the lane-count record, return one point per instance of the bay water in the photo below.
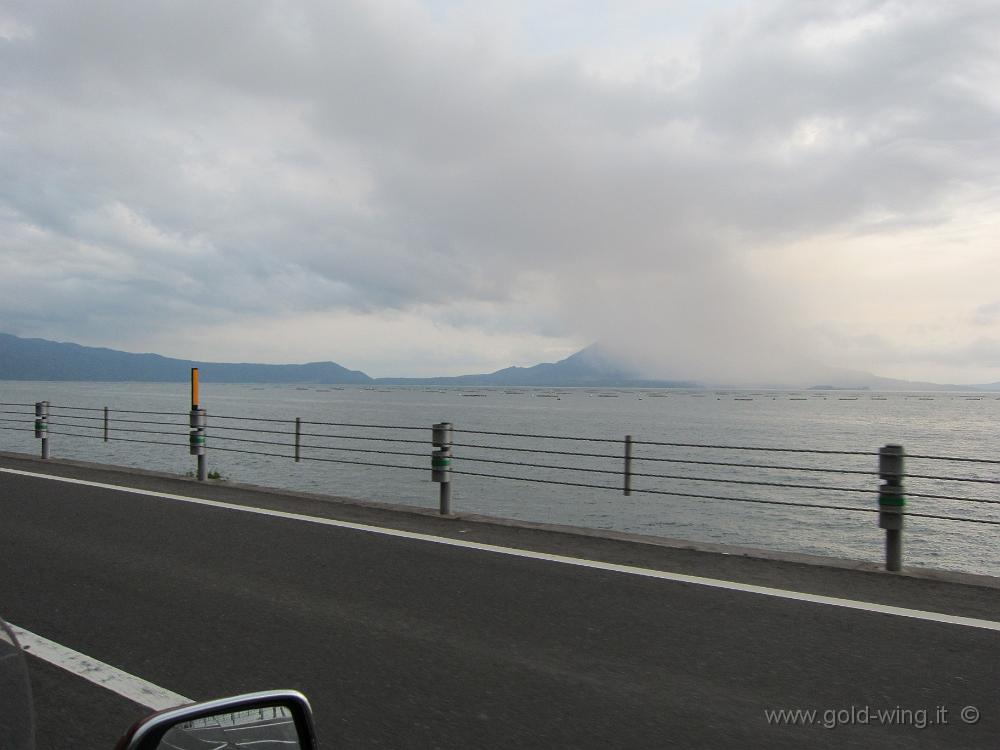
(850, 425)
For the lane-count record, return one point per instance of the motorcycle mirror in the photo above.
(17, 726)
(272, 720)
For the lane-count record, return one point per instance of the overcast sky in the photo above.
(717, 189)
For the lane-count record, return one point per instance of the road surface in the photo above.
(406, 642)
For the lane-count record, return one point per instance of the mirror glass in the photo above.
(261, 728)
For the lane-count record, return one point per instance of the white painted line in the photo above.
(885, 609)
(129, 686)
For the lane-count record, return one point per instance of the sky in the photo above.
(724, 191)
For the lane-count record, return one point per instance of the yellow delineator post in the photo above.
(197, 422)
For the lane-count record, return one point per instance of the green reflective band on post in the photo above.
(440, 463)
(41, 424)
(197, 439)
(894, 501)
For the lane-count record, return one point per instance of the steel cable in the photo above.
(954, 458)
(953, 518)
(538, 450)
(160, 413)
(620, 457)
(664, 492)
(537, 466)
(756, 483)
(214, 427)
(118, 439)
(373, 426)
(27, 426)
(327, 424)
(249, 419)
(146, 421)
(147, 432)
(751, 448)
(317, 447)
(111, 419)
(213, 437)
(545, 437)
(757, 500)
(671, 476)
(325, 460)
(361, 437)
(362, 450)
(76, 408)
(529, 479)
(77, 426)
(952, 479)
(866, 472)
(950, 497)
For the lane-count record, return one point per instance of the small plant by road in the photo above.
(213, 474)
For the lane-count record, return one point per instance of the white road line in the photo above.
(885, 609)
(129, 686)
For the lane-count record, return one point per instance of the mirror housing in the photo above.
(258, 717)
(17, 724)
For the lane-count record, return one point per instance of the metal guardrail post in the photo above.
(199, 420)
(42, 425)
(628, 465)
(298, 437)
(891, 503)
(105, 424)
(441, 464)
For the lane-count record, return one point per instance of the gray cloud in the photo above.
(986, 315)
(170, 160)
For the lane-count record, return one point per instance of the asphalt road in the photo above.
(405, 643)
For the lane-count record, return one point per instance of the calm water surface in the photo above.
(936, 424)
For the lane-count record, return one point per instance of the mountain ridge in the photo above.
(591, 366)
(42, 359)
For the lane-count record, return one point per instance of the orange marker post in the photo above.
(197, 438)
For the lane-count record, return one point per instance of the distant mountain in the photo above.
(38, 359)
(592, 366)
(855, 380)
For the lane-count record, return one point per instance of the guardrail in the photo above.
(626, 464)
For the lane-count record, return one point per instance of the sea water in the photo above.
(851, 424)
